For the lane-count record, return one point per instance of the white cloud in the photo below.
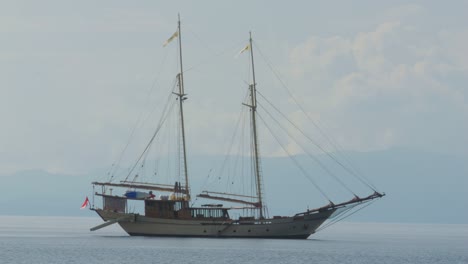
(368, 47)
(397, 73)
(75, 78)
(321, 51)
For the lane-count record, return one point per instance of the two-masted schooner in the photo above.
(174, 215)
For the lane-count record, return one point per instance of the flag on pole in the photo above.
(85, 203)
(244, 49)
(175, 35)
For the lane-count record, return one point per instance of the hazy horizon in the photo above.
(417, 185)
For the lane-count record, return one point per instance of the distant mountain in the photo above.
(421, 187)
(40, 193)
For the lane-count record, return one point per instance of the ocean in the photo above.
(25, 239)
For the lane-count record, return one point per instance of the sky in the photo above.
(76, 76)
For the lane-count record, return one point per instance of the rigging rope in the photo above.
(161, 122)
(344, 216)
(241, 115)
(309, 154)
(115, 165)
(295, 161)
(210, 48)
(316, 144)
(361, 178)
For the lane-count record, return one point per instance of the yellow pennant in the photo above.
(175, 35)
(244, 49)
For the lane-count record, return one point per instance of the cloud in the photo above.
(399, 77)
(76, 77)
(368, 48)
(317, 55)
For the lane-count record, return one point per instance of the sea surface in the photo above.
(68, 240)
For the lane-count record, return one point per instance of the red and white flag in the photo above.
(85, 204)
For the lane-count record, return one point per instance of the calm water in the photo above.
(68, 240)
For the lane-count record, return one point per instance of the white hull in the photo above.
(286, 227)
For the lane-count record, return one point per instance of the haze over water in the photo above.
(68, 240)
(387, 81)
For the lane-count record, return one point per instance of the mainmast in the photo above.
(182, 98)
(253, 106)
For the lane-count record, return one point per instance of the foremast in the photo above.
(253, 107)
(182, 97)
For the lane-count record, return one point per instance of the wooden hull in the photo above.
(286, 227)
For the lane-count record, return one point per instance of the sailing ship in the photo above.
(175, 215)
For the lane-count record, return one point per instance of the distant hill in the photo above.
(421, 187)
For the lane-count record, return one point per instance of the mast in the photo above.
(253, 96)
(182, 98)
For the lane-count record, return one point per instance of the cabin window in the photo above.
(209, 213)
